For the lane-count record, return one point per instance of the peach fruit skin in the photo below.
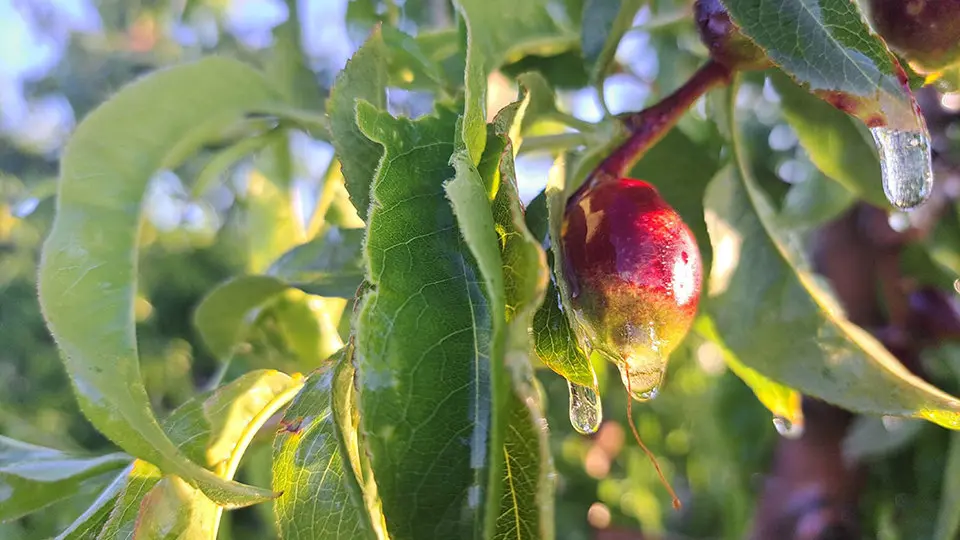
(634, 272)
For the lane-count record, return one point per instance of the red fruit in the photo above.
(926, 32)
(726, 43)
(634, 271)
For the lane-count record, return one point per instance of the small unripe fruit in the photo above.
(926, 32)
(634, 271)
(726, 43)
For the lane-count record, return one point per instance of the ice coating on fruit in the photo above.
(634, 273)
(726, 43)
(927, 32)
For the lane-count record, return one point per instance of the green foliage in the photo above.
(420, 293)
(827, 46)
(833, 141)
(35, 477)
(89, 265)
(313, 466)
(844, 364)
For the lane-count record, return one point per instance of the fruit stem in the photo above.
(648, 126)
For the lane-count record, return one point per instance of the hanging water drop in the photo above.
(905, 165)
(586, 411)
(892, 423)
(642, 385)
(788, 429)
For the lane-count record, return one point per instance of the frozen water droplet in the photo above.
(905, 165)
(899, 221)
(642, 385)
(586, 410)
(787, 429)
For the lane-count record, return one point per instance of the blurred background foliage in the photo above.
(60, 58)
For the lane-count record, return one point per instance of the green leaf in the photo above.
(329, 265)
(214, 169)
(526, 503)
(827, 46)
(304, 327)
(498, 31)
(208, 427)
(306, 324)
(948, 521)
(409, 65)
(604, 24)
(122, 521)
(35, 476)
(322, 496)
(468, 197)
(773, 314)
(92, 520)
(423, 338)
(223, 316)
(273, 225)
(872, 438)
(555, 343)
(214, 428)
(832, 140)
(782, 401)
(526, 506)
(175, 509)
(542, 100)
(88, 269)
(363, 78)
(814, 202)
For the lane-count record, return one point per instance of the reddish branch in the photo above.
(648, 126)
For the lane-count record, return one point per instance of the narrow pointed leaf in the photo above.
(782, 401)
(322, 496)
(774, 315)
(88, 268)
(272, 224)
(363, 78)
(213, 428)
(555, 343)
(496, 31)
(94, 518)
(35, 476)
(223, 316)
(329, 265)
(526, 501)
(423, 336)
(468, 197)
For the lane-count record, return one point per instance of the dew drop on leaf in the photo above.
(787, 429)
(905, 165)
(586, 410)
